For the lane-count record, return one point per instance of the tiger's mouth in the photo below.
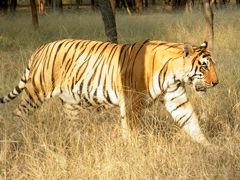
(200, 88)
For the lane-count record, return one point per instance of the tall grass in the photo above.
(45, 148)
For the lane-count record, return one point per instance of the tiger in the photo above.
(87, 73)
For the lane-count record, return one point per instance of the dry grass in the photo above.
(45, 148)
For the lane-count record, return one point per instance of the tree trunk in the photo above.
(13, 5)
(54, 5)
(125, 4)
(4, 6)
(34, 14)
(178, 4)
(109, 20)
(79, 2)
(238, 3)
(146, 3)
(94, 4)
(48, 3)
(188, 7)
(139, 6)
(42, 6)
(57, 5)
(208, 14)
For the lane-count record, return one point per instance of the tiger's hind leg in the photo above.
(72, 113)
(28, 104)
(131, 110)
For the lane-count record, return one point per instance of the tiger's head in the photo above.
(201, 73)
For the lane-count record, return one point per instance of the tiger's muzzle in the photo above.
(202, 86)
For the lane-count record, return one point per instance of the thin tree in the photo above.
(42, 6)
(238, 3)
(188, 7)
(113, 5)
(4, 6)
(125, 4)
(208, 14)
(139, 6)
(57, 5)
(34, 14)
(13, 5)
(109, 20)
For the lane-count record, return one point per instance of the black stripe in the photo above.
(173, 46)
(41, 84)
(180, 105)
(23, 108)
(164, 71)
(95, 98)
(29, 95)
(133, 45)
(18, 89)
(113, 51)
(153, 63)
(87, 101)
(96, 66)
(67, 41)
(178, 121)
(160, 44)
(66, 52)
(23, 80)
(120, 56)
(36, 90)
(164, 74)
(101, 75)
(136, 57)
(10, 97)
(185, 120)
(44, 65)
(49, 57)
(108, 98)
(30, 104)
(103, 64)
(72, 83)
(193, 61)
(83, 50)
(89, 55)
(177, 96)
(67, 67)
(84, 42)
(53, 64)
(36, 56)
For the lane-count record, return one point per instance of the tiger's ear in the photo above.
(204, 45)
(187, 50)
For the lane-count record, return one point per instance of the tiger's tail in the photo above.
(18, 89)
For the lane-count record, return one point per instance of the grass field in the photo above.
(45, 148)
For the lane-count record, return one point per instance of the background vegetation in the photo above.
(45, 148)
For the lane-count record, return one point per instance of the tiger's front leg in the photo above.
(177, 104)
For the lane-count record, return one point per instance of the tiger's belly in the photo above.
(96, 99)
